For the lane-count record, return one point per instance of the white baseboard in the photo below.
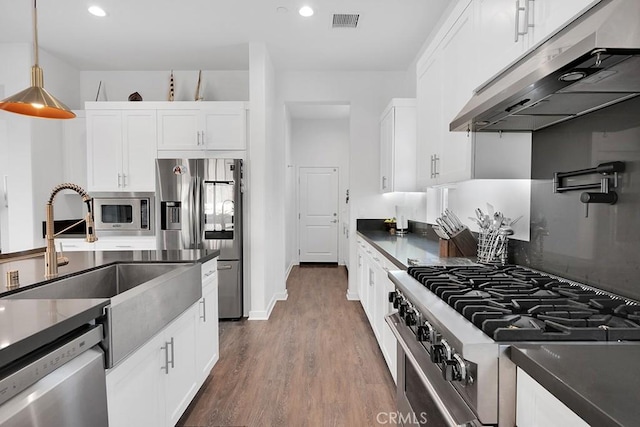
(353, 296)
(293, 264)
(264, 314)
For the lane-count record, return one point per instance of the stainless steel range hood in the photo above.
(591, 64)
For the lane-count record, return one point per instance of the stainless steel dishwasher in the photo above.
(61, 384)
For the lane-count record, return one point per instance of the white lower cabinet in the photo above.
(155, 384)
(374, 287)
(537, 407)
(207, 323)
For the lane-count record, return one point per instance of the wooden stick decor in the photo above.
(198, 95)
(171, 87)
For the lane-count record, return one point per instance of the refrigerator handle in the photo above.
(199, 217)
(187, 217)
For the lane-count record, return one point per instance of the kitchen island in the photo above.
(160, 325)
(31, 270)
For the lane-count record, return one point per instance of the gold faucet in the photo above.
(51, 259)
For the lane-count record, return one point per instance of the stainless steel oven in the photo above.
(424, 397)
(124, 213)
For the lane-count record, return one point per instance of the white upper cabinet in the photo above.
(398, 146)
(121, 148)
(507, 29)
(549, 16)
(455, 157)
(202, 126)
(500, 43)
(179, 130)
(430, 123)
(444, 84)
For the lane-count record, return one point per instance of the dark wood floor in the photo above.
(315, 362)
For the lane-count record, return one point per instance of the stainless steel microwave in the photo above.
(124, 213)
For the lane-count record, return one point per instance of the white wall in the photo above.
(154, 85)
(61, 80)
(33, 146)
(321, 143)
(368, 93)
(265, 174)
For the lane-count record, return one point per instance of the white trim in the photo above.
(264, 314)
(293, 264)
(353, 296)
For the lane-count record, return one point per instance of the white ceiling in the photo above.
(214, 34)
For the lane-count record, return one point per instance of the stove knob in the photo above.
(392, 296)
(455, 369)
(451, 370)
(423, 334)
(402, 310)
(410, 318)
(437, 353)
(396, 301)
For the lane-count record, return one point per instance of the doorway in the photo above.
(318, 217)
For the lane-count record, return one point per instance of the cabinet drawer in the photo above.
(209, 269)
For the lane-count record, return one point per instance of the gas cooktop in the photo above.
(514, 303)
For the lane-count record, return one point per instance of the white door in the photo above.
(318, 225)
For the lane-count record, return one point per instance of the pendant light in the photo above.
(35, 100)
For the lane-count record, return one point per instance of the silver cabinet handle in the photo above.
(209, 273)
(203, 316)
(204, 142)
(224, 267)
(6, 191)
(432, 162)
(435, 165)
(524, 9)
(198, 138)
(384, 182)
(124, 246)
(172, 354)
(119, 180)
(124, 180)
(334, 221)
(165, 347)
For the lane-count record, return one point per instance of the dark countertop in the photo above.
(31, 270)
(598, 381)
(398, 249)
(26, 325)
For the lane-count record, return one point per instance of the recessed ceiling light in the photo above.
(305, 11)
(97, 11)
(282, 9)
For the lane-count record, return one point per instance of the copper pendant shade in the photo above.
(35, 100)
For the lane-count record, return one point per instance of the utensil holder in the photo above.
(493, 248)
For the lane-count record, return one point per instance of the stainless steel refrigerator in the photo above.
(199, 206)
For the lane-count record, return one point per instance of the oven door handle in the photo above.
(454, 410)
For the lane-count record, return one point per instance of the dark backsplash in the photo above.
(602, 249)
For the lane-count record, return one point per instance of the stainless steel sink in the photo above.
(104, 282)
(144, 299)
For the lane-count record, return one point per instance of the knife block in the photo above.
(448, 249)
(465, 242)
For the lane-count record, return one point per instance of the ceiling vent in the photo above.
(345, 20)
